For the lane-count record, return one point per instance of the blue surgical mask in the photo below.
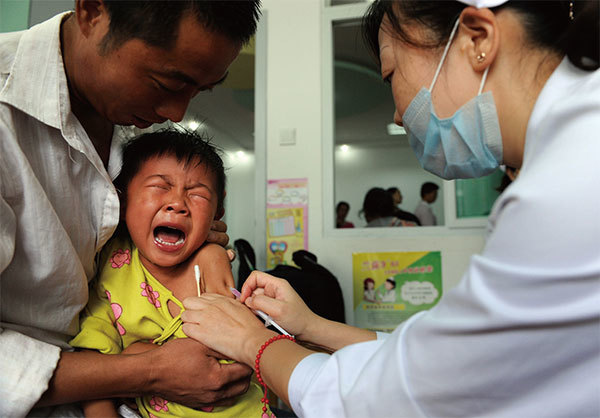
(468, 144)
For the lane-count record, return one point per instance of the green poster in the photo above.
(391, 287)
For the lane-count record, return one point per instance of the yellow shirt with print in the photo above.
(128, 305)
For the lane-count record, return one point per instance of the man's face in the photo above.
(138, 84)
(432, 196)
(169, 209)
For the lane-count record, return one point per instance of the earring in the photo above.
(481, 57)
(571, 15)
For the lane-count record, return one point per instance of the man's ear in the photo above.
(91, 14)
(480, 36)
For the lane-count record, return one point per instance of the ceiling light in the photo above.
(193, 125)
(344, 148)
(241, 156)
(393, 129)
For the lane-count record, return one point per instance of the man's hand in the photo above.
(218, 233)
(181, 370)
(187, 372)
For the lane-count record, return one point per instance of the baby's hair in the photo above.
(367, 281)
(186, 146)
(391, 281)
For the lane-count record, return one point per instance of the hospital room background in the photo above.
(304, 105)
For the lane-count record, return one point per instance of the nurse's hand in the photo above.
(225, 325)
(277, 298)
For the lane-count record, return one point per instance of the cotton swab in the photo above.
(197, 272)
(268, 320)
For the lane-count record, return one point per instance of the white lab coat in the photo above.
(520, 335)
(388, 296)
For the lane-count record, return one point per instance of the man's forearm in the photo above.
(89, 375)
(170, 371)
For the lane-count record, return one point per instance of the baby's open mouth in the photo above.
(166, 235)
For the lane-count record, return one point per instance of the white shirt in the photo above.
(388, 296)
(520, 335)
(424, 212)
(57, 208)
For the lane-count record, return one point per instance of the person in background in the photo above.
(341, 211)
(378, 209)
(65, 86)
(401, 214)
(476, 83)
(424, 211)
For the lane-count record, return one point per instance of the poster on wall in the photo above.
(390, 287)
(287, 216)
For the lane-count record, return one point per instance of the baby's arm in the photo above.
(215, 269)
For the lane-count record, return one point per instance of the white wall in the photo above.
(239, 201)
(360, 168)
(294, 101)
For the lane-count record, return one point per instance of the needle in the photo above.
(268, 320)
(197, 272)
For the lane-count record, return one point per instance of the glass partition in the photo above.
(370, 151)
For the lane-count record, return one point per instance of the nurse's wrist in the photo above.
(315, 327)
(253, 343)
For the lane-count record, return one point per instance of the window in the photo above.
(362, 146)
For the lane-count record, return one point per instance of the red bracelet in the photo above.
(265, 400)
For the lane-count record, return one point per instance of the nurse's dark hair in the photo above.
(156, 22)
(547, 24)
(187, 147)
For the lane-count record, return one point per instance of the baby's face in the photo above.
(169, 209)
(388, 285)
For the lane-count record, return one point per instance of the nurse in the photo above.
(476, 83)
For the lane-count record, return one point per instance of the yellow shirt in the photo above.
(127, 305)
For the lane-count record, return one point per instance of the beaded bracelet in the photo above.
(265, 400)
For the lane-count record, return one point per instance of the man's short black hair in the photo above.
(156, 22)
(428, 187)
(187, 147)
